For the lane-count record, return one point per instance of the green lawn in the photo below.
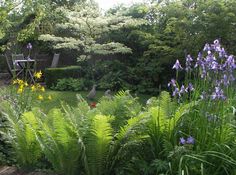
(69, 97)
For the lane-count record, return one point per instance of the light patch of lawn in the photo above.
(68, 97)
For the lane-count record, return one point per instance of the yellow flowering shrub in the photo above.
(34, 88)
(26, 94)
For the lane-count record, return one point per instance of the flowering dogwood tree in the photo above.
(84, 29)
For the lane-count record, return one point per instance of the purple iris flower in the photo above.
(230, 62)
(189, 59)
(190, 140)
(225, 80)
(172, 83)
(183, 90)
(182, 141)
(220, 67)
(176, 92)
(203, 73)
(199, 61)
(214, 65)
(210, 58)
(29, 46)
(199, 55)
(218, 83)
(190, 87)
(216, 45)
(207, 47)
(222, 53)
(177, 65)
(218, 94)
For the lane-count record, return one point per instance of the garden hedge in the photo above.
(52, 75)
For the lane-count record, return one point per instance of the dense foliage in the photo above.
(70, 84)
(156, 33)
(53, 75)
(189, 130)
(191, 133)
(175, 29)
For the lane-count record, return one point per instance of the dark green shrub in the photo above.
(70, 84)
(52, 75)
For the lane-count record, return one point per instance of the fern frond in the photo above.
(166, 103)
(22, 136)
(129, 129)
(123, 106)
(180, 111)
(59, 142)
(121, 93)
(158, 119)
(98, 144)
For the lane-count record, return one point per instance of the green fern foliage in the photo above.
(59, 142)
(123, 106)
(79, 117)
(98, 144)
(22, 136)
(166, 103)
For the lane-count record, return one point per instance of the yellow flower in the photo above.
(42, 89)
(49, 97)
(20, 90)
(38, 75)
(19, 81)
(14, 82)
(33, 88)
(21, 86)
(26, 84)
(38, 86)
(40, 97)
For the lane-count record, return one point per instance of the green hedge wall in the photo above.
(52, 75)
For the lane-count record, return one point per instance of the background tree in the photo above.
(171, 30)
(85, 30)
(5, 24)
(175, 29)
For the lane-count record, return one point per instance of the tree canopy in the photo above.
(84, 29)
(154, 33)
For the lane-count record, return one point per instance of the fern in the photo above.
(161, 121)
(79, 117)
(21, 133)
(166, 103)
(123, 106)
(128, 139)
(98, 144)
(59, 142)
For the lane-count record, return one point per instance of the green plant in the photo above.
(52, 75)
(98, 144)
(70, 84)
(122, 106)
(20, 132)
(59, 142)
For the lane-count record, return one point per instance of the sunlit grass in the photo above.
(68, 97)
